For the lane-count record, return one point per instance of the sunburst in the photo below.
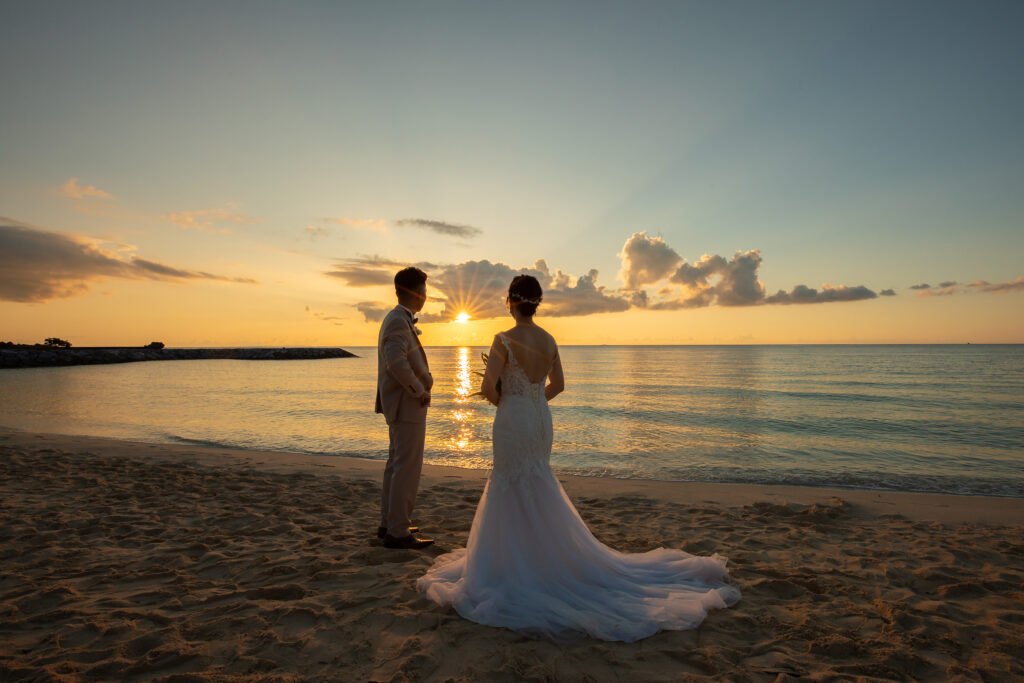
(471, 292)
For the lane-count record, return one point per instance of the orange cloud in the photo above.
(205, 218)
(73, 190)
(320, 315)
(1011, 286)
(375, 224)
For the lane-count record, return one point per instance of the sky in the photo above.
(248, 173)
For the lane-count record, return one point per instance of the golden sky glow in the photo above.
(695, 180)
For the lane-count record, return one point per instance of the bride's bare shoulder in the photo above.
(543, 341)
(548, 340)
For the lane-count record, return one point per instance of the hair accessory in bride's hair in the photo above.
(520, 299)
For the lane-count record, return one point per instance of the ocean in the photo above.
(930, 418)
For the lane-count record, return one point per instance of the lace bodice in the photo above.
(522, 433)
(514, 381)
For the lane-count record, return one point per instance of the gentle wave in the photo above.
(867, 481)
(977, 433)
(847, 480)
(940, 419)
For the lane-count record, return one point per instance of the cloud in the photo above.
(366, 271)
(480, 287)
(656, 277)
(204, 219)
(942, 289)
(442, 228)
(358, 276)
(697, 275)
(375, 224)
(565, 297)
(714, 280)
(711, 280)
(887, 292)
(373, 311)
(953, 287)
(162, 271)
(738, 284)
(586, 297)
(38, 265)
(646, 260)
(639, 298)
(320, 315)
(73, 190)
(699, 300)
(803, 294)
(1011, 286)
(945, 291)
(314, 232)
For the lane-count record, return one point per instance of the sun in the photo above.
(462, 317)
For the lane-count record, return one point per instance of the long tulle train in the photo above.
(532, 565)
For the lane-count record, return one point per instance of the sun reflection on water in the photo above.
(461, 414)
(463, 375)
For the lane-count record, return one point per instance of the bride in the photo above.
(531, 563)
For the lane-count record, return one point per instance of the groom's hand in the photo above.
(425, 399)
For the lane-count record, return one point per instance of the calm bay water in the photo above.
(915, 418)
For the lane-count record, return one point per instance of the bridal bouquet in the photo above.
(480, 373)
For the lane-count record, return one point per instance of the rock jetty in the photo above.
(41, 356)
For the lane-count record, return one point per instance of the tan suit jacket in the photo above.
(402, 370)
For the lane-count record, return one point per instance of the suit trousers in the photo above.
(402, 475)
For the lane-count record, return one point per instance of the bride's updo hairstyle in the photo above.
(525, 294)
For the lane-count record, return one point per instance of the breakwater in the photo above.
(36, 356)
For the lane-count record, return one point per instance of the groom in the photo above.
(403, 394)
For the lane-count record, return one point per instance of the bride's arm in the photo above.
(556, 380)
(495, 362)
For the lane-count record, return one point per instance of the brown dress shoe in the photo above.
(382, 531)
(409, 542)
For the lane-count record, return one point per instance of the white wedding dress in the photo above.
(532, 565)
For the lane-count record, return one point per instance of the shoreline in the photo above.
(175, 563)
(946, 508)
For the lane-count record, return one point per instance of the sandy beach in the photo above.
(129, 561)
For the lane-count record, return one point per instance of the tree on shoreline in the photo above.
(57, 342)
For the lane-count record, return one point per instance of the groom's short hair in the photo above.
(409, 280)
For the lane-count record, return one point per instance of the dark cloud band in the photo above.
(39, 265)
(442, 228)
(803, 294)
